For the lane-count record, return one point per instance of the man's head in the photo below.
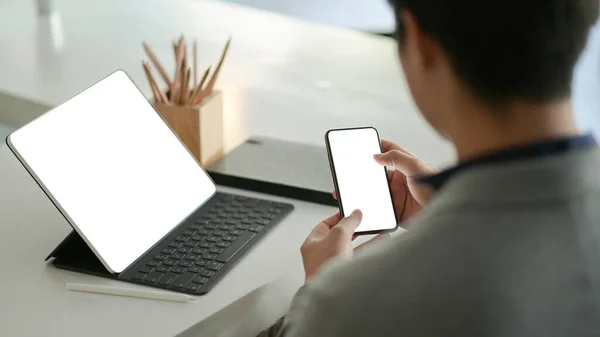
(496, 52)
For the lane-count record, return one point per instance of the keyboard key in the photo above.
(274, 210)
(269, 216)
(204, 231)
(236, 232)
(178, 270)
(153, 263)
(218, 232)
(211, 225)
(248, 221)
(145, 270)
(170, 262)
(160, 257)
(181, 238)
(202, 263)
(216, 250)
(209, 256)
(194, 270)
(174, 244)
(185, 263)
(177, 256)
(168, 278)
(235, 247)
(168, 250)
(139, 276)
(191, 243)
(229, 222)
(223, 244)
(193, 287)
(182, 280)
(188, 232)
(206, 244)
(184, 249)
(200, 250)
(214, 266)
(239, 216)
(213, 239)
(254, 215)
(256, 228)
(192, 257)
(162, 269)
(154, 277)
(206, 273)
(227, 227)
(197, 227)
(242, 227)
(200, 280)
(263, 222)
(229, 237)
(198, 237)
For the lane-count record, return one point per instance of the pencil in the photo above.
(178, 72)
(213, 79)
(130, 292)
(198, 89)
(152, 82)
(195, 62)
(157, 64)
(184, 87)
(161, 95)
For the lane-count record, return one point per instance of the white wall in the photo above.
(586, 85)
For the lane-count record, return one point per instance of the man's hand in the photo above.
(331, 238)
(408, 194)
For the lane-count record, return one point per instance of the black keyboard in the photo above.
(201, 251)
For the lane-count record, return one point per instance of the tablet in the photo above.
(114, 169)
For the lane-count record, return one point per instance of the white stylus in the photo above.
(130, 292)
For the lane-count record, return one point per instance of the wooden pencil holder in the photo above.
(199, 128)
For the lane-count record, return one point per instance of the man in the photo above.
(507, 243)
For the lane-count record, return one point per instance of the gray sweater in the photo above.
(505, 250)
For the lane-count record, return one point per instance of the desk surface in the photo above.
(284, 78)
(33, 298)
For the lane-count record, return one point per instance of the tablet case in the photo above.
(261, 164)
(277, 167)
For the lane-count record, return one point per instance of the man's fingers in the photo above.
(348, 225)
(324, 227)
(407, 164)
(335, 196)
(380, 237)
(389, 146)
(333, 220)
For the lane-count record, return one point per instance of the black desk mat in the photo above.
(277, 167)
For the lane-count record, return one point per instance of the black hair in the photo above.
(507, 50)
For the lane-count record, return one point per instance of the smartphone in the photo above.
(360, 182)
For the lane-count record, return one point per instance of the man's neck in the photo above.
(519, 124)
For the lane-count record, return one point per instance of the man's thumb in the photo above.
(348, 225)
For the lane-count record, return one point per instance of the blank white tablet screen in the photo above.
(114, 168)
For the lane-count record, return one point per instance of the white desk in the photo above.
(274, 84)
(33, 298)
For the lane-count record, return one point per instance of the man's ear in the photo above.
(423, 50)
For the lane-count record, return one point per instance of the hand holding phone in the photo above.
(361, 183)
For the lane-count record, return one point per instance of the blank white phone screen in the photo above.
(114, 169)
(362, 182)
